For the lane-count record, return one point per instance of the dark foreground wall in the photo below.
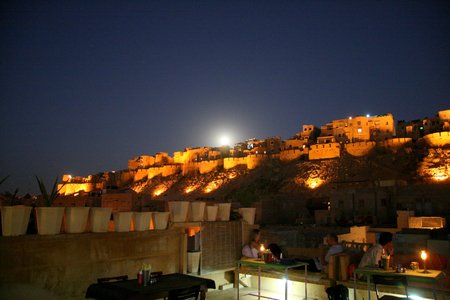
(62, 266)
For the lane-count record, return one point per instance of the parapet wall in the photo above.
(254, 160)
(324, 151)
(164, 171)
(140, 174)
(231, 162)
(66, 264)
(396, 142)
(71, 188)
(287, 155)
(438, 139)
(360, 148)
(202, 167)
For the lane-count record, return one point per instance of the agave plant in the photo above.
(11, 196)
(3, 179)
(49, 197)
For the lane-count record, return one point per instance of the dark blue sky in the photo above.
(87, 85)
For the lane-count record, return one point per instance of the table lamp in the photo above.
(423, 255)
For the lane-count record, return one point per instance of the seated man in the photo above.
(334, 248)
(373, 255)
(317, 264)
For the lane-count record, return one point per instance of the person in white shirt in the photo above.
(251, 250)
(372, 257)
(317, 264)
(332, 242)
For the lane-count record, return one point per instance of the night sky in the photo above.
(87, 85)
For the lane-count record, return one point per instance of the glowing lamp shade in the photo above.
(423, 255)
(262, 248)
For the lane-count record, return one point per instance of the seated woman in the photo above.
(251, 250)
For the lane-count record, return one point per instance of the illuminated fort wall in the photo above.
(287, 155)
(143, 161)
(396, 142)
(140, 174)
(164, 171)
(438, 139)
(294, 144)
(360, 148)
(231, 162)
(254, 160)
(324, 151)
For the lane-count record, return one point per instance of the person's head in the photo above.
(255, 236)
(385, 238)
(332, 239)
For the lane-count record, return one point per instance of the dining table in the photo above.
(132, 290)
(282, 266)
(424, 276)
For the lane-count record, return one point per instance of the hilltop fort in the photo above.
(359, 169)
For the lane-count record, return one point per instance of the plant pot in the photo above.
(99, 219)
(197, 211)
(75, 219)
(49, 220)
(160, 220)
(122, 221)
(193, 262)
(15, 219)
(223, 213)
(178, 211)
(248, 214)
(142, 220)
(211, 212)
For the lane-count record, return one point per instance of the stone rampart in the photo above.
(254, 160)
(324, 151)
(438, 139)
(164, 171)
(287, 155)
(231, 162)
(207, 166)
(396, 142)
(140, 174)
(72, 188)
(360, 148)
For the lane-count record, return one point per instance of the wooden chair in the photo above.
(115, 278)
(392, 281)
(187, 293)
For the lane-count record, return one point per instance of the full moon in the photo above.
(224, 140)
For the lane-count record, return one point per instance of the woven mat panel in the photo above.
(221, 245)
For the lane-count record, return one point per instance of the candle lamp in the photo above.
(423, 255)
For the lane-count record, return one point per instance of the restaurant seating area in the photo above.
(64, 266)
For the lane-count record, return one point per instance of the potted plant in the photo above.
(211, 212)
(197, 211)
(160, 220)
(75, 219)
(122, 221)
(142, 219)
(15, 217)
(48, 218)
(246, 198)
(99, 219)
(178, 210)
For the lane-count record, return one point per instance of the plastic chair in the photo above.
(187, 293)
(393, 281)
